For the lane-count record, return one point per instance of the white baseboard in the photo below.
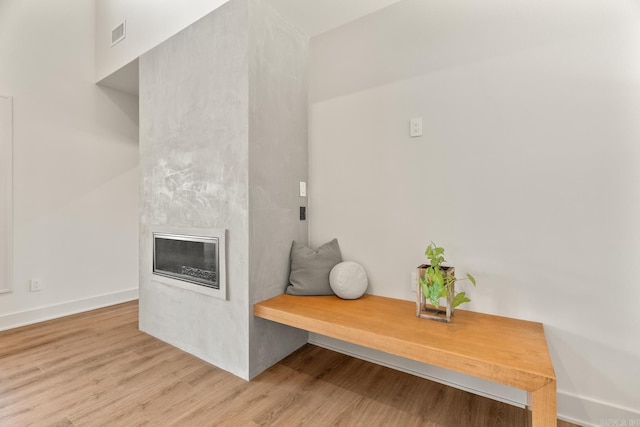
(576, 409)
(41, 314)
(589, 412)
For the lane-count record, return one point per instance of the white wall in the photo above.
(75, 165)
(313, 17)
(527, 172)
(6, 193)
(147, 23)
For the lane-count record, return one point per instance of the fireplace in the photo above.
(190, 261)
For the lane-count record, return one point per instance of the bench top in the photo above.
(508, 351)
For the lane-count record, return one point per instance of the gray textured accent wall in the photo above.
(278, 161)
(223, 145)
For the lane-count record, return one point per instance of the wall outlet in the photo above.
(35, 285)
(414, 284)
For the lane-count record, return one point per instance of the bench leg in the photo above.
(542, 402)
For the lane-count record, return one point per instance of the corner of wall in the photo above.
(278, 161)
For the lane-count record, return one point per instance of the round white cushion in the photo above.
(348, 280)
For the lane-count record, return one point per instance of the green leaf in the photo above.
(471, 278)
(422, 280)
(437, 278)
(435, 254)
(434, 294)
(429, 252)
(425, 289)
(460, 298)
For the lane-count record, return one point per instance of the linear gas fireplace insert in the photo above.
(192, 259)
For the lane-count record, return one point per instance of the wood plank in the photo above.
(543, 405)
(500, 349)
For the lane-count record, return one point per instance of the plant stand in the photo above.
(425, 310)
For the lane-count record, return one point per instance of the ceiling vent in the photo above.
(119, 33)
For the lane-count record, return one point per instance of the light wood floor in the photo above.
(97, 369)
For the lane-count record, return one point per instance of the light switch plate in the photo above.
(415, 127)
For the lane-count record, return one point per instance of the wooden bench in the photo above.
(507, 351)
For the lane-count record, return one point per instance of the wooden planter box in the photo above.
(424, 308)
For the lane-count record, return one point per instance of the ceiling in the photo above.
(312, 17)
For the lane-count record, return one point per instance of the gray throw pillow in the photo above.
(310, 268)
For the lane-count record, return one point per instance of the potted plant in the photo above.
(436, 282)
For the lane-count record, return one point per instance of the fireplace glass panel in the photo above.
(187, 258)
